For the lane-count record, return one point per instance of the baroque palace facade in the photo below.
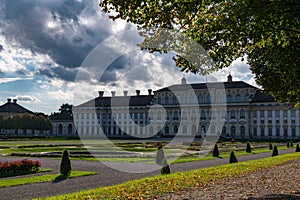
(230, 109)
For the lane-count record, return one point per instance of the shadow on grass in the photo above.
(277, 197)
(60, 178)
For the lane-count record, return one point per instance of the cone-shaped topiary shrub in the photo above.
(232, 158)
(288, 145)
(248, 148)
(165, 167)
(270, 146)
(297, 148)
(216, 152)
(160, 155)
(65, 166)
(275, 151)
(291, 144)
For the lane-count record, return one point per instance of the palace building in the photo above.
(230, 109)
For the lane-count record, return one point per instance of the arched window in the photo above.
(233, 130)
(242, 114)
(60, 129)
(175, 129)
(167, 130)
(70, 129)
(232, 114)
(242, 130)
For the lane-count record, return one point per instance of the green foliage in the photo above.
(216, 152)
(232, 158)
(65, 113)
(165, 167)
(270, 146)
(267, 31)
(65, 166)
(275, 151)
(288, 144)
(248, 148)
(297, 148)
(291, 144)
(160, 155)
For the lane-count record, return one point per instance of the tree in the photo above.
(216, 151)
(275, 151)
(165, 167)
(266, 31)
(160, 155)
(248, 148)
(65, 113)
(288, 144)
(297, 148)
(232, 158)
(270, 146)
(65, 166)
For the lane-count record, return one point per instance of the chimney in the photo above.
(183, 81)
(113, 93)
(229, 78)
(149, 92)
(8, 100)
(125, 92)
(15, 100)
(101, 93)
(138, 92)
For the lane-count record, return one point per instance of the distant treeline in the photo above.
(25, 122)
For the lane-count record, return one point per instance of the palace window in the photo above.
(242, 114)
(232, 114)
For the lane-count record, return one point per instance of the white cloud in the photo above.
(26, 98)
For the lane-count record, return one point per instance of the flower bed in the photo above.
(19, 167)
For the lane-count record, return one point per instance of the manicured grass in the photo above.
(39, 179)
(222, 155)
(161, 184)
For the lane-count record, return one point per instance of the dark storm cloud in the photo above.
(66, 74)
(54, 27)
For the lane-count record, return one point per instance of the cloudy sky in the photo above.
(43, 45)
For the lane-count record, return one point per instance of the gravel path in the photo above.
(281, 182)
(107, 176)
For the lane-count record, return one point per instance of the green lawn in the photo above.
(162, 184)
(42, 178)
(223, 155)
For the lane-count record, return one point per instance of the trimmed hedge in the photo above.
(19, 167)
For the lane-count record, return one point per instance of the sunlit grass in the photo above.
(40, 179)
(162, 184)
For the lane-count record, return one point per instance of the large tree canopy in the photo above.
(266, 31)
